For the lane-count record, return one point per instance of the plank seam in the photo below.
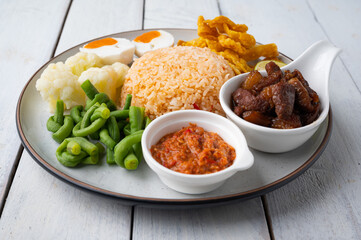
(11, 178)
(324, 32)
(143, 15)
(61, 29)
(131, 223)
(268, 216)
(21, 148)
(219, 8)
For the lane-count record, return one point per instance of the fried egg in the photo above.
(111, 50)
(152, 40)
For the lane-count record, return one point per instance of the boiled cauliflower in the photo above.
(118, 71)
(58, 82)
(107, 79)
(83, 61)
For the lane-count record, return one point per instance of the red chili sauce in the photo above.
(193, 150)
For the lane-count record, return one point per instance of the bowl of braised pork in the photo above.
(276, 110)
(279, 109)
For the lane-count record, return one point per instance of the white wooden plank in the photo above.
(325, 200)
(40, 206)
(244, 220)
(177, 14)
(229, 222)
(322, 203)
(93, 19)
(342, 24)
(29, 30)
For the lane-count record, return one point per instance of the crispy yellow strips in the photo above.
(268, 51)
(231, 41)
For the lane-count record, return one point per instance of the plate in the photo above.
(143, 187)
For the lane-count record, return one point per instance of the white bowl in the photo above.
(191, 183)
(262, 138)
(315, 65)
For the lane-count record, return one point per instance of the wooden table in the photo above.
(323, 203)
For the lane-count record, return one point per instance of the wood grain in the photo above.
(40, 206)
(177, 14)
(93, 19)
(29, 30)
(244, 220)
(322, 203)
(341, 23)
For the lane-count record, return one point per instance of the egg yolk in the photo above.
(101, 43)
(147, 37)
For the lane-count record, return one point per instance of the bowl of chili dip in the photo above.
(195, 151)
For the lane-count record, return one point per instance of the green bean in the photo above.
(95, 135)
(111, 105)
(147, 122)
(73, 148)
(100, 112)
(120, 114)
(128, 101)
(106, 139)
(89, 89)
(126, 130)
(122, 124)
(131, 161)
(82, 113)
(137, 148)
(113, 129)
(75, 113)
(69, 160)
(59, 112)
(65, 130)
(101, 148)
(62, 145)
(87, 149)
(136, 117)
(99, 98)
(91, 160)
(86, 146)
(51, 125)
(110, 156)
(86, 119)
(122, 148)
(93, 127)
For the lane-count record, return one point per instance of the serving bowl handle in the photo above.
(246, 160)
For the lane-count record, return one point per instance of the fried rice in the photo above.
(177, 78)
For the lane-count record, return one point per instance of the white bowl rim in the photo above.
(231, 169)
(234, 117)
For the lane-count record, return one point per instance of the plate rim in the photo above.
(161, 201)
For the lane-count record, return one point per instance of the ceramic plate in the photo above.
(142, 186)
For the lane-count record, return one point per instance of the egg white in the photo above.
(122, 52)
(164, 40)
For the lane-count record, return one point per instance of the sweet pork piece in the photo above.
(246, 101)
(253, 78)
(293, 121)
(307, 118)
(278, 100)
(257, 118)
(274, 76)
(266, 94)
(283, 98)
(303, 99)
